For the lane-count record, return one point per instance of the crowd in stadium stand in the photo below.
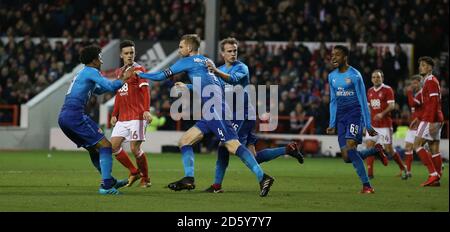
(301, 74)
(27, 68)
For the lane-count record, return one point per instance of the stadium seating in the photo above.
(27, 68)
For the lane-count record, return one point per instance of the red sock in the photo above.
(437, 161)
(408, 160)
(425, 157)
(123, 158)
(141, 161)
(370, 160)
(399, 161)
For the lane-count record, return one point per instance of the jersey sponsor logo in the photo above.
(375, 103)
(123, 90)
(198, 60)
(341, 92)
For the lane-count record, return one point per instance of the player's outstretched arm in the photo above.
(179, 66)
(103, 85)
(155, 76)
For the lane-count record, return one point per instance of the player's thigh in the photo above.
(92, 134)
(223, 130)
(232, 146)
(121, 129)
(410, 135)
(389, 148)
(419, 142)
(423, 130)
(243, 128)
(409, 146)
(434, 146)
(385, 135)
(116, 143)
(353, 129)
(370, 143)
(351, 143)
(135, 146)
(372, 139)
(137, 130)
(191, 136)
(82, 130)
(252, 139)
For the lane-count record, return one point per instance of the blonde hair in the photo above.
(192, 40)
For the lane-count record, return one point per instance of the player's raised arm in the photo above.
(362, 99)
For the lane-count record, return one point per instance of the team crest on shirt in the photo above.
(348, 80)
(380, 95)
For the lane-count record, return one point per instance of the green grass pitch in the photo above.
(66, 181)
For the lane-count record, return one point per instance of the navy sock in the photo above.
(246, 156)
(106, 166)
(221, 164)
(188, 160)
(269, 154)
(367, 152)
(358, 164)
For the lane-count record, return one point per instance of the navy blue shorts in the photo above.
(349, 126)
(246, 131)
(221, 128)
(81, 129)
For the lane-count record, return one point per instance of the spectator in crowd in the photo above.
(298, 119)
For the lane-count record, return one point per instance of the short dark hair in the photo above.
(344, 49)
(89, 54)
(193, 40)
(126, 43)
(427, 60)
(416, 77)
(378, 71)
(229, 40)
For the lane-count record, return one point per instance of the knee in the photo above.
(346, 160)
(135, 150)
(115, 148)
(106, 144)
(345, 157)
(416, 146)
(183, 142)
(232, 146)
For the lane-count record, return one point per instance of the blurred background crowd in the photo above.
(28, 66)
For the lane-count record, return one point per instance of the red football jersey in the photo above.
(133, 99)
(431, 94)
(415, 102)
(379, 99)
